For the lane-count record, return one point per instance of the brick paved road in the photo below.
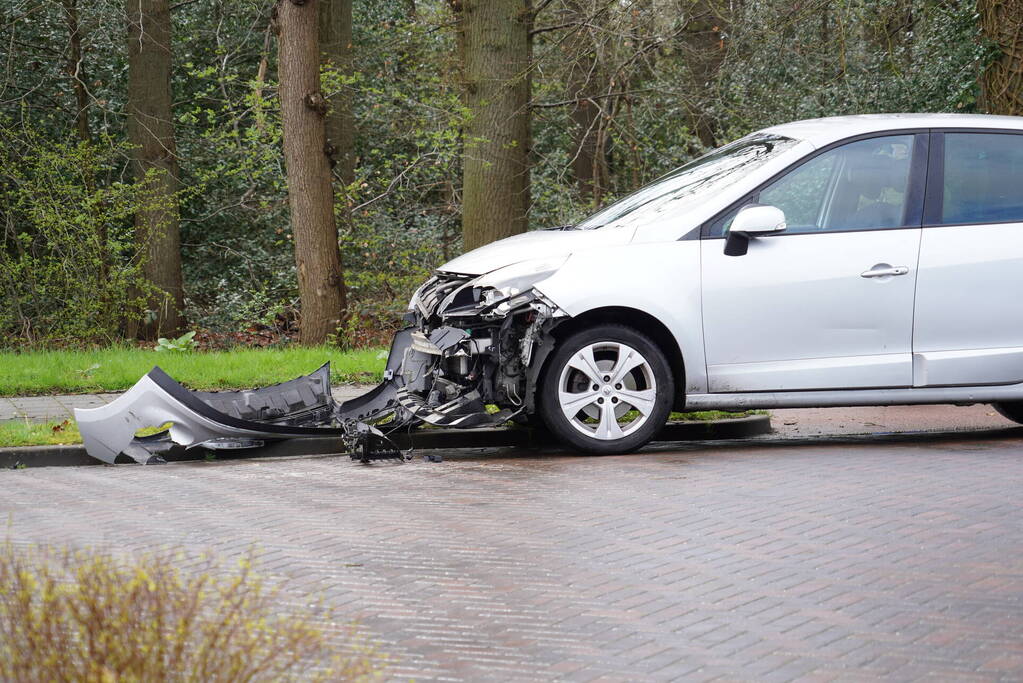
(862, 559)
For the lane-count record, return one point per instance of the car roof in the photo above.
(820, 132)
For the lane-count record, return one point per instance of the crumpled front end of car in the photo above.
(470, 345)
(474, 345)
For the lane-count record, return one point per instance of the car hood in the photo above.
(536, 244)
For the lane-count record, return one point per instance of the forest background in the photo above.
(147, 146)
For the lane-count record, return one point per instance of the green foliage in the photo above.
(69, 271)
(674, 77)
(851, 57)
(183, 343)
(87, 615)
(397, 220)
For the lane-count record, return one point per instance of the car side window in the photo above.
(862, 185)
(983, 178)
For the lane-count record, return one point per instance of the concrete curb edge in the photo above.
(75, 455)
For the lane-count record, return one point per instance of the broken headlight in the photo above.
(516, 279)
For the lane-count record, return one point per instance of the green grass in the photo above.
(39, 373)
(707, 415)
(24, 433)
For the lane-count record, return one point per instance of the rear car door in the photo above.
(828, 304)
(968, 322)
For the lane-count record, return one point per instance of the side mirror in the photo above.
(755, 220)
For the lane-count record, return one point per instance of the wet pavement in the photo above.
(795, 556)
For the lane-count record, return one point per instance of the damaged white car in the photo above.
(866, 260)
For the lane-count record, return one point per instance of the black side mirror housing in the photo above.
(736, 244)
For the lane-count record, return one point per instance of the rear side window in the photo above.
(983, 178)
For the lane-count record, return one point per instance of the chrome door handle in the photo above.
(884, 270)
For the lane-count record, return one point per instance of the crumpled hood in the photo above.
(536, 244)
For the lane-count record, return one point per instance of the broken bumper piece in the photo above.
(302, 407)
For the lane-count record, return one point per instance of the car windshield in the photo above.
(711, 172)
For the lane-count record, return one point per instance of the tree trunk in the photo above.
(151, 132)
(335, 29)
(589, 165)
(76, 70)
(1002, 81)
(317, 256)
(705, 51)
(495, 164)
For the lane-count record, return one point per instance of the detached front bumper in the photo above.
(302, 407)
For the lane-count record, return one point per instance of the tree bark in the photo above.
(335, 29)
(76, 70)
(589, 163)
(151, 132)
(705, 51)
(495, 162)
(1002, 81)
(317, 256)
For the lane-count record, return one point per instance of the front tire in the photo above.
(607, 389)
(1013, 410)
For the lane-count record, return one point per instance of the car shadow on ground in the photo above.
(705, 448)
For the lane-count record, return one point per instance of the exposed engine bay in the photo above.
(471, 347)
(467, 347)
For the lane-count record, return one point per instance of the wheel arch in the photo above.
(641, 322)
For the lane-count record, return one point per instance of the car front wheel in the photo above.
(607, 389)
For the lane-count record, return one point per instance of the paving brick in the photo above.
(860, 560)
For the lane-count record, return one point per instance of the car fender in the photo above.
(661, 279)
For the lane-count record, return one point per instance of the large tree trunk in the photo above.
(585, 81)
(317, 256)
(704, 54)
(151, 132)
(495, 165)
(1002, 81)
(336, 47)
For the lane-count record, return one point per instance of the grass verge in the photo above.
(39, 373)
(24, 433)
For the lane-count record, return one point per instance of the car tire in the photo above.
(1012, 410)
(606, 389)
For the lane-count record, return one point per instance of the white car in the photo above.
(860, 260)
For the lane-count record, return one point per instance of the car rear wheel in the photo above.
(607, 389)
(1012, 410)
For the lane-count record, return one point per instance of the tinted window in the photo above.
(983, 178)
(858, 186)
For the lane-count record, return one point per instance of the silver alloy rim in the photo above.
(600, 384)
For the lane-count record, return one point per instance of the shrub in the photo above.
(70, 271)
(68, 615)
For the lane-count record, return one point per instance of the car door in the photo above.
(827, 304)
(968, 327)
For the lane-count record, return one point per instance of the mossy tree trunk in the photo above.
(335, 28)
(303, 109)
(1002, 81)
(151, 132)
(495, 164)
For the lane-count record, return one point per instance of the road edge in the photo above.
(75, 456)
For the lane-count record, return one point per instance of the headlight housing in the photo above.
(514, 279)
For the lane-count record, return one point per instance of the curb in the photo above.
(75, 455)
